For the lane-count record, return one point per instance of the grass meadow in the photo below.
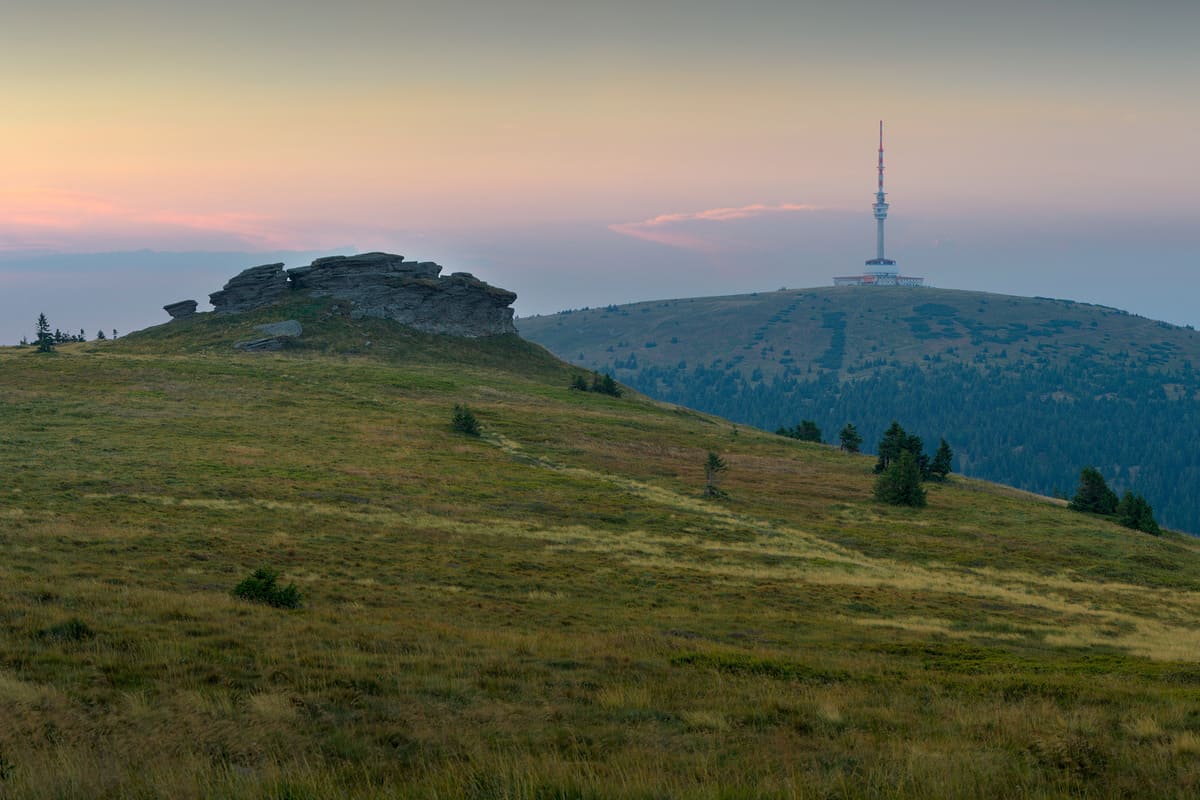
(551, 610)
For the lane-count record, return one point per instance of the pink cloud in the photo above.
(689, 231)
(64, 221)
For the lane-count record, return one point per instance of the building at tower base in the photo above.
(878, 279)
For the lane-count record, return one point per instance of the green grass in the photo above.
(551, 610)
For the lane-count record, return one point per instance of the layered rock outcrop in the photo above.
(382, 285)
(410, 292)
(251, 288)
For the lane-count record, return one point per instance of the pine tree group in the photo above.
(1093, 496)
(806, 431)
(903, 465)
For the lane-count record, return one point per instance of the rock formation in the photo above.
(180, 310)
(251, 288)
(410, 292)
(381, 285)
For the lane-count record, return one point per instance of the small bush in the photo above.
(464, 421)
(579, 383)
(261, 587)
(73, 630)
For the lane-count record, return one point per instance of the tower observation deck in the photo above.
(881, 270)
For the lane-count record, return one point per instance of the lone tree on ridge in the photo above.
(45, 339)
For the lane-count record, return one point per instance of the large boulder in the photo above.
(252, 288)
(181, 310)
(289, 327)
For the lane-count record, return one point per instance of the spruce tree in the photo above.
(604, 384)
(807, 431)
(714, 465)
(849, 438)
(1134, 512)
(1093, 494)
(45, 339)
(894, 441)
(942, 461)
(900, 483)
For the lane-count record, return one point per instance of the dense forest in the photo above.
(1027, 427)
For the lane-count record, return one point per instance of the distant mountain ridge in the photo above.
(1027, 390)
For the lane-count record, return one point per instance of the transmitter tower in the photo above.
(881, 270)
(881, 208)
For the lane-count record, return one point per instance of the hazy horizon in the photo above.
(584, 154)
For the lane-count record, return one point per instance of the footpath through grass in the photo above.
(550, 610)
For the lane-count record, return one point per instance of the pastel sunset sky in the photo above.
(582, 153)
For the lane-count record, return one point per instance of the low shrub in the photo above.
(73, 630)
(464, 421)
(261, 587)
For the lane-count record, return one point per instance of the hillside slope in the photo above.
(549, 610)
(1027, 390)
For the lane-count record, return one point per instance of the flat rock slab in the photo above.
(288, 327)
(262, 345)
(180, 310)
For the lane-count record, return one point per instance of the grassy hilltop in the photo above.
(548, 611)
(1026, 389)
(846, 332)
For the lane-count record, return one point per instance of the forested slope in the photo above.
(1027, 390)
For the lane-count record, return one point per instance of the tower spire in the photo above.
(882, 264)
(880, 195)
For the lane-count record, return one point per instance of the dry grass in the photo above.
(551, 611)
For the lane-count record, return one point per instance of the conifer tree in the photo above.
(900, 483)
(850, 439)
(464, 421)
(1134, 512)
(807, 431)
(45, 339)
(713, 467)
(894, 441)
(942, 461)
(604, 384)
(1093, 493)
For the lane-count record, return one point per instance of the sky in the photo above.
(584, 153)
